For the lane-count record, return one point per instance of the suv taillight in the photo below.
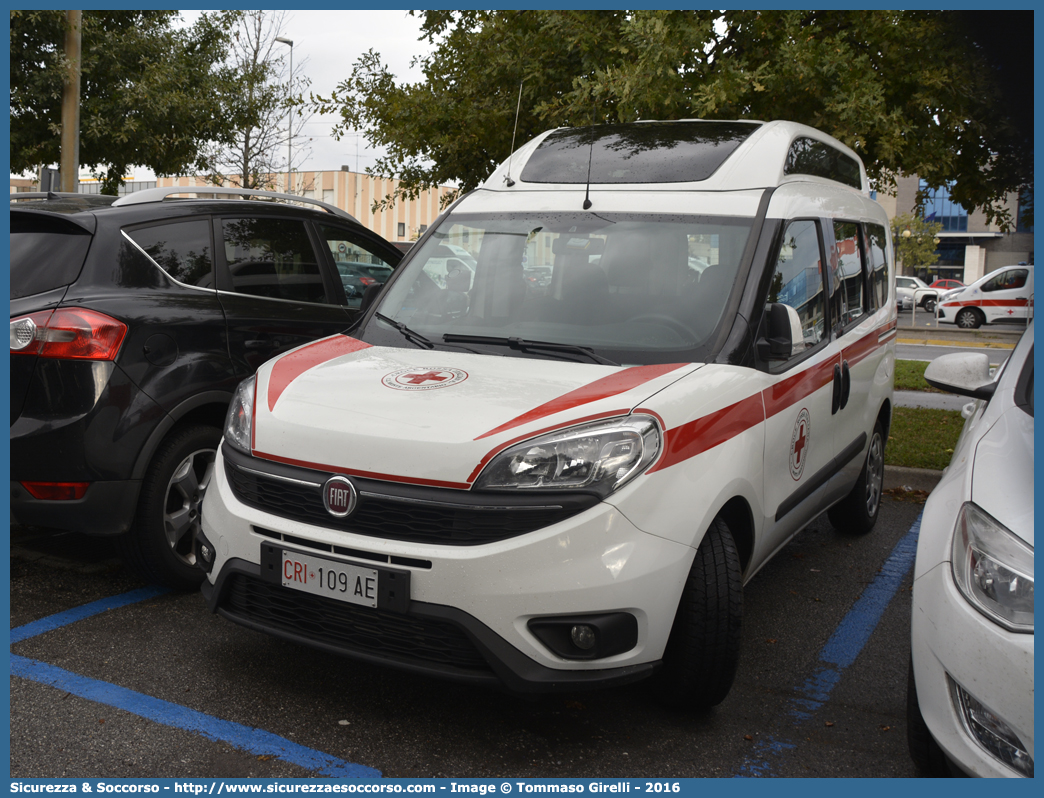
(67, 333)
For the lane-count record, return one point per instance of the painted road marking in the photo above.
(61, 619)
(839, 652)
(246, 738)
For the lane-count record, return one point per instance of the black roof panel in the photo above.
(640, 152)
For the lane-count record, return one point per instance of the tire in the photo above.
(857, 513)
(159, 545)
(929, 305)
(968, 319)
(924, 751)
(699, 663)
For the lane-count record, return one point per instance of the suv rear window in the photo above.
(641, 152)
(45, 254)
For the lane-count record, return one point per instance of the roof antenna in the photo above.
(590, 155)
(507, 177)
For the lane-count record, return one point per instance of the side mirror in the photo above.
(369, 295)
(962, 373)
(782, 339)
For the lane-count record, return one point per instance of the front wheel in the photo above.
(968, 319)
(857, 512)
(159, 546)
(702, 654)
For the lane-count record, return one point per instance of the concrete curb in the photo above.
(914, 478)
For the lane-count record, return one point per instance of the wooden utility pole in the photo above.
(70, 155)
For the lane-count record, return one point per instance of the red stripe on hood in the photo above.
(620, 382)
(289, 367)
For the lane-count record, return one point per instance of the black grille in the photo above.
(350, 628)
(396, 519)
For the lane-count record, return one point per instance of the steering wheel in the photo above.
(665, 321)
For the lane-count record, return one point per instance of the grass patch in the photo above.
(909, 376)
(922, 438)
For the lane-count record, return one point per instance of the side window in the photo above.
(357, 265)
(181, 249)
(1015, 278)
(875, 247)
(798, 280)
(851, 286)
(272, 258)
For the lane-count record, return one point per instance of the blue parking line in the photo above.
(61, 619)
(251, 740)
(840, 651)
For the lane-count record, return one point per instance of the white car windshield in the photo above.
(639, 286)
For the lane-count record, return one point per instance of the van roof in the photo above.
(688, 154)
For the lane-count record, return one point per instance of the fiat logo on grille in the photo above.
(339, 497)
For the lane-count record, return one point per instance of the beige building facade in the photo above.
(355, 193)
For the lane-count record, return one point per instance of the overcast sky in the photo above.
(330, 42)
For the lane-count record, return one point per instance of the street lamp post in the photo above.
(289, 117)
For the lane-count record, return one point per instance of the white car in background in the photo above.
(910, 291)
(1003, 295)
(970, 694)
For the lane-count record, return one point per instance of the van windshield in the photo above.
(636, 288)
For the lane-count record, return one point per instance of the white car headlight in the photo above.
(600, 456)
(993, 569)
(240, 416)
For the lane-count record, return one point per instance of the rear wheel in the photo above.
(929, 304)
(699, 664)
(159, 547)
(857, 512)
(968, 319)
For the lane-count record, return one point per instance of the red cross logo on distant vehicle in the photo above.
(420, 379)
(799, 443)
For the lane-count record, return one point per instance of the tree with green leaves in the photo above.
(148, 91)
(915, 240)
(907, 90)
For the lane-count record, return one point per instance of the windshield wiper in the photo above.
(410, 335)
(415, 337)
(523, 345)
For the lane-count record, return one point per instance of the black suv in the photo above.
(132, 322)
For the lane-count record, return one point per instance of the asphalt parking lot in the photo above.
(111, 678)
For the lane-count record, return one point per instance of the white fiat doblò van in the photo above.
(556, 466)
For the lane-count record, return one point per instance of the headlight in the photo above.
(239, 420)
(600, 457)
(993, 569)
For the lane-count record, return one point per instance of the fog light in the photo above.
(990, 732)
(204, 551)
(583, 636)
(586, 637)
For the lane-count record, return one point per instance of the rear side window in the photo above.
(850, 289)
(811, 157)
(875, 240)
(45, 254)
(272, 258)
(181, 249)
